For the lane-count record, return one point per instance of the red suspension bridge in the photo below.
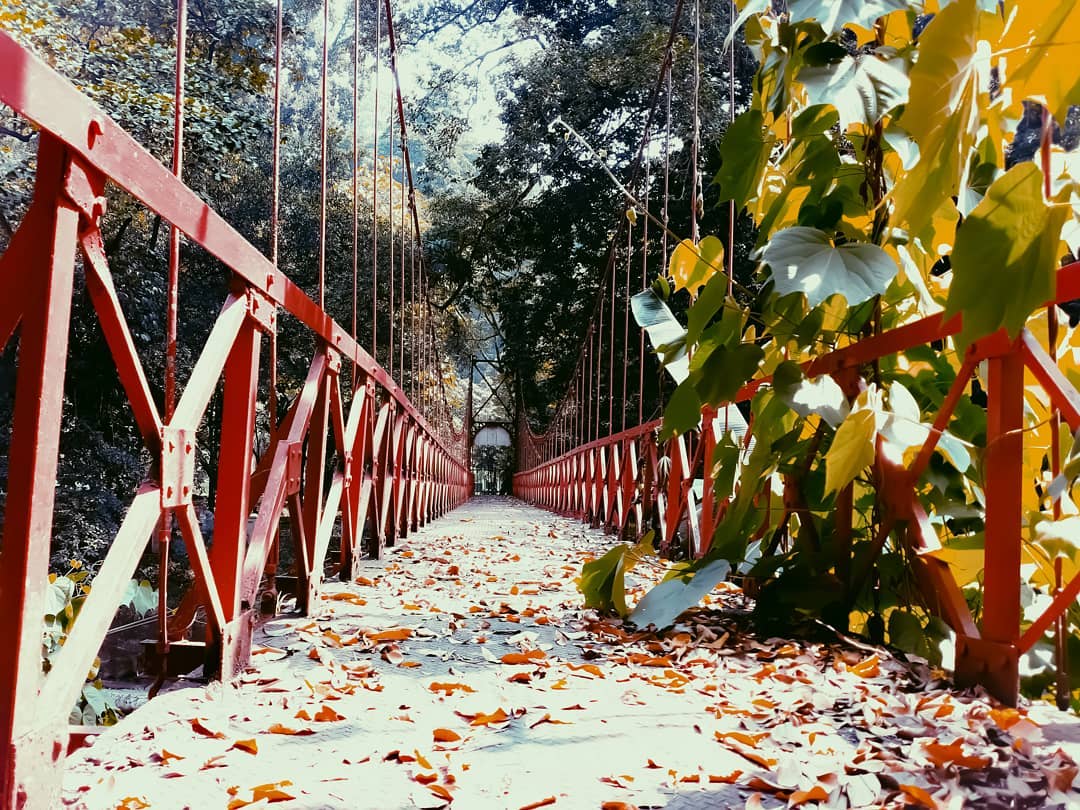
(374, 445)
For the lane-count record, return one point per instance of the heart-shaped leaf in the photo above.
(806, 260)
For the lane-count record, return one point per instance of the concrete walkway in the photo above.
(463, 668)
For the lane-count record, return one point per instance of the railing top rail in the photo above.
(57, 107)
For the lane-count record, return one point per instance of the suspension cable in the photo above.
(375, 189)
(322, 159)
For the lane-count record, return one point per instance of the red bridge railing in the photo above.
(629, 482)
(392, 471)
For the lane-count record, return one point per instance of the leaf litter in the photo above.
(462, 670)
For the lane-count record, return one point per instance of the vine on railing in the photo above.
(901, 462)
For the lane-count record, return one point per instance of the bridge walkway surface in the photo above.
(463, 669)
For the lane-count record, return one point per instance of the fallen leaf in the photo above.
(542, 803)
(445, 735)
(396, 634)
(869, 668)
(441, 792)
(199, 726)
(497, 716)
(426, 778)
(547, 719)
(953, 754)
(520, 677)
(133, 803)
(246, 745)
(523, 657)
(816, 794)
(278, 728)
(921, 797)
(167, 756)
(449, 688)
(270, 793)
(327, 715)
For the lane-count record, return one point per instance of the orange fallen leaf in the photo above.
(547, 719)
(167, 756)
(728, 779)
(278, 728)
(213, 762)
(250, 746)
(302, 715)
(199, 726)
(497, 716)
(536, 805)
(327, 715)
(740, 736)
(133, 803)
(426, 778)
(592, 669)
(868, 668)
(363, 581)
(953, 754)
(618, 806)
(920, 796)
(816, 794)
(270, 793)
(409, 664)
(441, 792)
(345, 596)
(445, 735)
(450, 688)
(396, 634)
(559, 684)
(523, 657)
(520, 677)
(1005, 718)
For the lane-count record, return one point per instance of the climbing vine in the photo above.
(876, 161)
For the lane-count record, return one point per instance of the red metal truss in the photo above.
(391, 470)
(629, 482)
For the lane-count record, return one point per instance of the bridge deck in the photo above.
(596, 716)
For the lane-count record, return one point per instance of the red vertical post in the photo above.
(233, 494)
(993, 660)
(31, 745)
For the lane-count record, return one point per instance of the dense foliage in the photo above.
(881, 162)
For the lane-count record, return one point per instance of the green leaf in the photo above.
(814, 120)
(832, 15)
(906, 631)
(749, 9)
(724, 371)
(941, 116)
(1005, 257)
(852, 450)
(662, 605)
(603, 581)
(693, 265)
(821, 396)
(806, 260)
(663, 329)
(744, 153)
(725, 465)
(683, 411)
(713, 297)
(862, 90)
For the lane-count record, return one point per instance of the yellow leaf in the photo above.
(1039, 45)
(693, 265)
(852, 450)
